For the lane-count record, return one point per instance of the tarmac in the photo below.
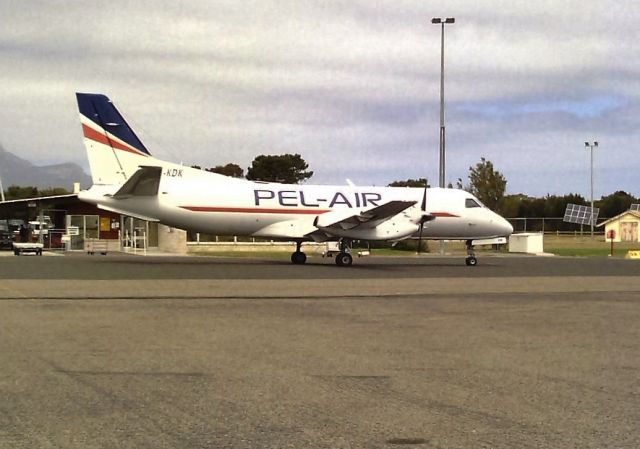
(200, 352)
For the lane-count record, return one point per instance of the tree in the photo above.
(53, 191)
(614, 204)
(232, 170)
(420, 182)
(285, 168)
(20, 193)
(487, 184)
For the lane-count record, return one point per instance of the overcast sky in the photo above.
(353, 86)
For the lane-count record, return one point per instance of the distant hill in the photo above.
(18, 171)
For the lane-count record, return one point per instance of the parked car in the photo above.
(6, 240)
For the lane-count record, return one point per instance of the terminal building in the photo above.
(63, 222)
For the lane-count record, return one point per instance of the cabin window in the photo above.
(470, 202)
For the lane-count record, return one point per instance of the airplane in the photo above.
(128, 180)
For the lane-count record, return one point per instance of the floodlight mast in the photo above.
(442, 22)
(591, 146)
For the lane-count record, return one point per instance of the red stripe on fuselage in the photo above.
(255, 210)
(99, 137)
(444, 215)
(261, 210)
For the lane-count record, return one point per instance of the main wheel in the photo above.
(471, 261)
(298, 258)
(344, 260)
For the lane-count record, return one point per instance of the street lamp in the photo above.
(591, 146)
(442, 22)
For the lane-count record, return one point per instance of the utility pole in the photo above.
(442, 22)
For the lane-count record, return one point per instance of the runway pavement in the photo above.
(192, 352)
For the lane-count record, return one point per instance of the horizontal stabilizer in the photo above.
(369, 218)
(128, 213)
(144, 182)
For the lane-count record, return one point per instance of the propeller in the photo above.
(423, 208)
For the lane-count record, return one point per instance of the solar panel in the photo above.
(576, 213)
(635, 207)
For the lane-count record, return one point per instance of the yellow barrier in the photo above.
(633, 254)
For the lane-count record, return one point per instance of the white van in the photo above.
(37, 227)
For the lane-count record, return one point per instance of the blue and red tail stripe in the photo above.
(99, 110)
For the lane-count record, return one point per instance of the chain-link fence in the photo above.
(552, 225)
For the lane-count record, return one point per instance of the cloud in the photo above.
(351, 85)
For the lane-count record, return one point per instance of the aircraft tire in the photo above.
(298, 258)
(344, 260)
(471, 261)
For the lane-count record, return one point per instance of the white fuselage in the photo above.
(206, 202)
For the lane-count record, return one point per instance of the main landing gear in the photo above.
(298, 257)
(471, 260)
(343, 258)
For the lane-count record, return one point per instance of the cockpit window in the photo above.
(470, 202)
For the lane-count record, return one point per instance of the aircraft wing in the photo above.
(126, 212)
(370, 218)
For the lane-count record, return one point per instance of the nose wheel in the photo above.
(471, 260)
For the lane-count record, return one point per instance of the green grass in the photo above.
(585, 246)
(585, 252)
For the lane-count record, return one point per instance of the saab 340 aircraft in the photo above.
(128, 180)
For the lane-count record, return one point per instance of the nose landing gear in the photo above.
(471, 260)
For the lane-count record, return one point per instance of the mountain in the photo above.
(17, 171)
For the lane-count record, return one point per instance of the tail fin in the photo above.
(113, 149)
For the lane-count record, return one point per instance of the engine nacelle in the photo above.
(393, 229)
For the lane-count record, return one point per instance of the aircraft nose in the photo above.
(507, 227)
(501, 226)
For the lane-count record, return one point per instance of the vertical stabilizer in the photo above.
(113, 149)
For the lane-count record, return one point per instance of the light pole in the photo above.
(591, 146)
(442, 22)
